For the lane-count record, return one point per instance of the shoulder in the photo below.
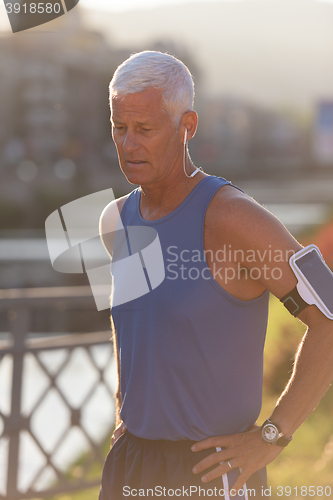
(239, 215)
(109, 221)
(234, 204)
(111, 210)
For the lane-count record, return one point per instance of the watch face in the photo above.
(270, 433)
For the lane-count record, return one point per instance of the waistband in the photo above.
(160, 444)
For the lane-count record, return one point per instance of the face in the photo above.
(148, 143)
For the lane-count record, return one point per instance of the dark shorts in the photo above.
(137, 467)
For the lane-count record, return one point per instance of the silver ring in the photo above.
(229, 465)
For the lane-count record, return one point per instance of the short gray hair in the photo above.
(162, 71)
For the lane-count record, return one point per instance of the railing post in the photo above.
(18, 320)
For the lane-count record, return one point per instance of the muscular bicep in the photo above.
(260, 243)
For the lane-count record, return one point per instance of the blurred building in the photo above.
(54, 116)
(248, 140)
(323, 134)
(55, 141)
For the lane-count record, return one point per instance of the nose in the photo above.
(130, 143)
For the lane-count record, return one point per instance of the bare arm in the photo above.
(117, 359)
(120, 427)
(108, 225)
(247, 226)
(312, 373)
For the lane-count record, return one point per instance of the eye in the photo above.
(118, 128)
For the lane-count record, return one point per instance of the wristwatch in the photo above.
(272, 434)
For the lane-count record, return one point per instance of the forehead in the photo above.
(146, 105)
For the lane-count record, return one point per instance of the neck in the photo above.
(157, 201)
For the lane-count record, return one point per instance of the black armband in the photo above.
(294, 302)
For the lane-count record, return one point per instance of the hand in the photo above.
(119, 431)
(246, 451)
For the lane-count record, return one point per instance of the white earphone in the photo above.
(197, 169)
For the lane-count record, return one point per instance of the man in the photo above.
(190, 350)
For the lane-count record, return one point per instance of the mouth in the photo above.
(135, 163)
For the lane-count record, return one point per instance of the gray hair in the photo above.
(155, 69)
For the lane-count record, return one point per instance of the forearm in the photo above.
(118, 401)
(311, 377)
(118, 406)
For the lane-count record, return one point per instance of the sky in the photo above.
(117, 5)
(271, 52)
(121, 5)
(112, 6)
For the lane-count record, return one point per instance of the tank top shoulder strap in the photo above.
(194, 204)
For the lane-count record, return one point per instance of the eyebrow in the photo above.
(145, 123)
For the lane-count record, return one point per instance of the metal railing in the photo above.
(21, 425)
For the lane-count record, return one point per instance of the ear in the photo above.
(188, 125)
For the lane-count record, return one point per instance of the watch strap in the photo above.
(283, 441)
(294, 302)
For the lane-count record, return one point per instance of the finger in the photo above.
(120, 430)
(212, 442)
(213, 474)
(214, 458)
(219, 471)
(241, 481)
(117, 433)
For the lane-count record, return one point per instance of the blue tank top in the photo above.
(191, 355)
